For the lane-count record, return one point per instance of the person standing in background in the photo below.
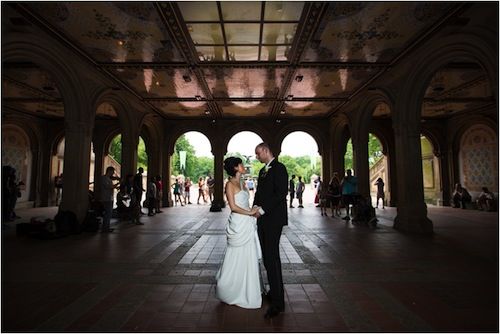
(291, 190)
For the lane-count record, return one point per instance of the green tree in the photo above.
(142, 157)
(348, 157)
(374, 150)
(204, 166)
(115, 149)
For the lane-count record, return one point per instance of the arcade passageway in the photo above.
(338, 277)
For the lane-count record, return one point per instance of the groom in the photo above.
(272, 189)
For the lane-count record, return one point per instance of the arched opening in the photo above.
(348, 158)
(379, 179)
(16, 152)
(243, 145)
(192, 166)
(456, 92)
(299, 153)
(430, 172)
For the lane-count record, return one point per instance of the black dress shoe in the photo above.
(272, 312)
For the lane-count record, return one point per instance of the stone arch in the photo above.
(478, 157)
(304, 127)
(20, 47)
(121, 106)
(33, 133)
(17, 152)
(368, 105)
(433, 139)
(251, 126)
(183, 128)
(109, 137)
(466, 46)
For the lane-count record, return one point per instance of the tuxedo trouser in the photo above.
(270, 244)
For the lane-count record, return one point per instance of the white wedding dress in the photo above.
(238, 279)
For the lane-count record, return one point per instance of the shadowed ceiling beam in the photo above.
(172, 20)
(309, 21)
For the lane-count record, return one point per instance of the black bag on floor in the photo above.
(91, 223)
(66, 223)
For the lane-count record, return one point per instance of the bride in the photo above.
(238, 279)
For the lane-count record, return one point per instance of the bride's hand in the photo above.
(254, 210)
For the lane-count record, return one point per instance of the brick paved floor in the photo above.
(338, 277)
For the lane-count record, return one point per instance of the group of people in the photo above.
(182, 190)
(129, 196)
(485, 201)
(296, 191)
(11, 191)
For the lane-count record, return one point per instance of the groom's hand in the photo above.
(257, 214)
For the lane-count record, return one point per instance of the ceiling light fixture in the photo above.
(207, 112)
(278, 121)
(289, 97)
(186, 78)
(299, 78)
(197, 97)
(121, 43)
(157, 83)
(282, 112)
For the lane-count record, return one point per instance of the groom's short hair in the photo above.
(265, 145)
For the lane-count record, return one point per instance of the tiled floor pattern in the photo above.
(338, 277)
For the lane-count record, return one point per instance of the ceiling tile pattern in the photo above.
(112, 31)
(370, 31)
(240, 59)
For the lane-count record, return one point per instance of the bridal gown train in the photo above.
(238, 279)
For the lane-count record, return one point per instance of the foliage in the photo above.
(348, 157)
(374, 152)
(142, 157)
(115, 149)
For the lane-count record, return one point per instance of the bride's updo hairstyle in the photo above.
(230, 164)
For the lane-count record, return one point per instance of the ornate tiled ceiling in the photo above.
(242, 59)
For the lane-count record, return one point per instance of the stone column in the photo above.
(412, 210)
(325, 164)
(166, 172)
(98, 165)
(76, 167)
(218, 153)
(361, 166)
(391, 173)
(153, 161)
(129, 154)
(444, 168)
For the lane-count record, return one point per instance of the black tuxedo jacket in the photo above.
(272, 189)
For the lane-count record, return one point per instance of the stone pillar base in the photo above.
(217, 205)
(418, 224)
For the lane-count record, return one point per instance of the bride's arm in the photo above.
(232, 204)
